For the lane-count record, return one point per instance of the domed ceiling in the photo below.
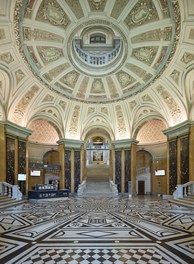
(98, 50)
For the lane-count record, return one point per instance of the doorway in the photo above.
(141, 187)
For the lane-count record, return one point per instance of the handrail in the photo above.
(81, 188)
(97, 59)
(183, 190)
(113, 187)
(11, 191)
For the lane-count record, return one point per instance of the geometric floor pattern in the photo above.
(96, 230)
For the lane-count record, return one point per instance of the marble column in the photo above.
(178, 155)
(72, 163)
(15, 152)
(125, 165)
(2, 153)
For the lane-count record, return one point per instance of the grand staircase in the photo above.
(187, 201)
(98, 181)
(6, 201)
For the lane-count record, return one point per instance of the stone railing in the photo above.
(113, 187)
(183, 190)
(11, 191)
(97, 59)
(81, 188)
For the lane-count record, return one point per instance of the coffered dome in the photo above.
(98, 50)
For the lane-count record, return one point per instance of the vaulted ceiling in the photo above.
(124, 67)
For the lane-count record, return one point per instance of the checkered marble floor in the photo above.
(96, 230)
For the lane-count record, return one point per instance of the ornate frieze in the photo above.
(187, 57)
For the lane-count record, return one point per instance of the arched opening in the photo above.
(97, 151)
(143, 172)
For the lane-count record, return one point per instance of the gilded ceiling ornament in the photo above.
(187, 57)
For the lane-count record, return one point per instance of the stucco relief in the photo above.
(104, 110)
(73, 128)
(143, 12)
(50, 54)
(48, 98)
(145, 54)
(124, 79)
(187, 57)
(62, 104)
(19, 76)
(147, 98)
(173, 107)
(132, 104)
(91, 110)
(2, 34)
(175, 76)
(120, 122)
(20, 109)
(52, 12)
(6, 57)
(97, 4)
(70, 78)
(97, 86)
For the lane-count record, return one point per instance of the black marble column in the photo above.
(127, 168)
(184, 166)
(67, 169)
(22, 164)
(10, 159)
(118, 169)
(172, 166)
(76, 169)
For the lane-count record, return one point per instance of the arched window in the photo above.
(97, 38)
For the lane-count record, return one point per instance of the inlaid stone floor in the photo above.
(97, 230)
